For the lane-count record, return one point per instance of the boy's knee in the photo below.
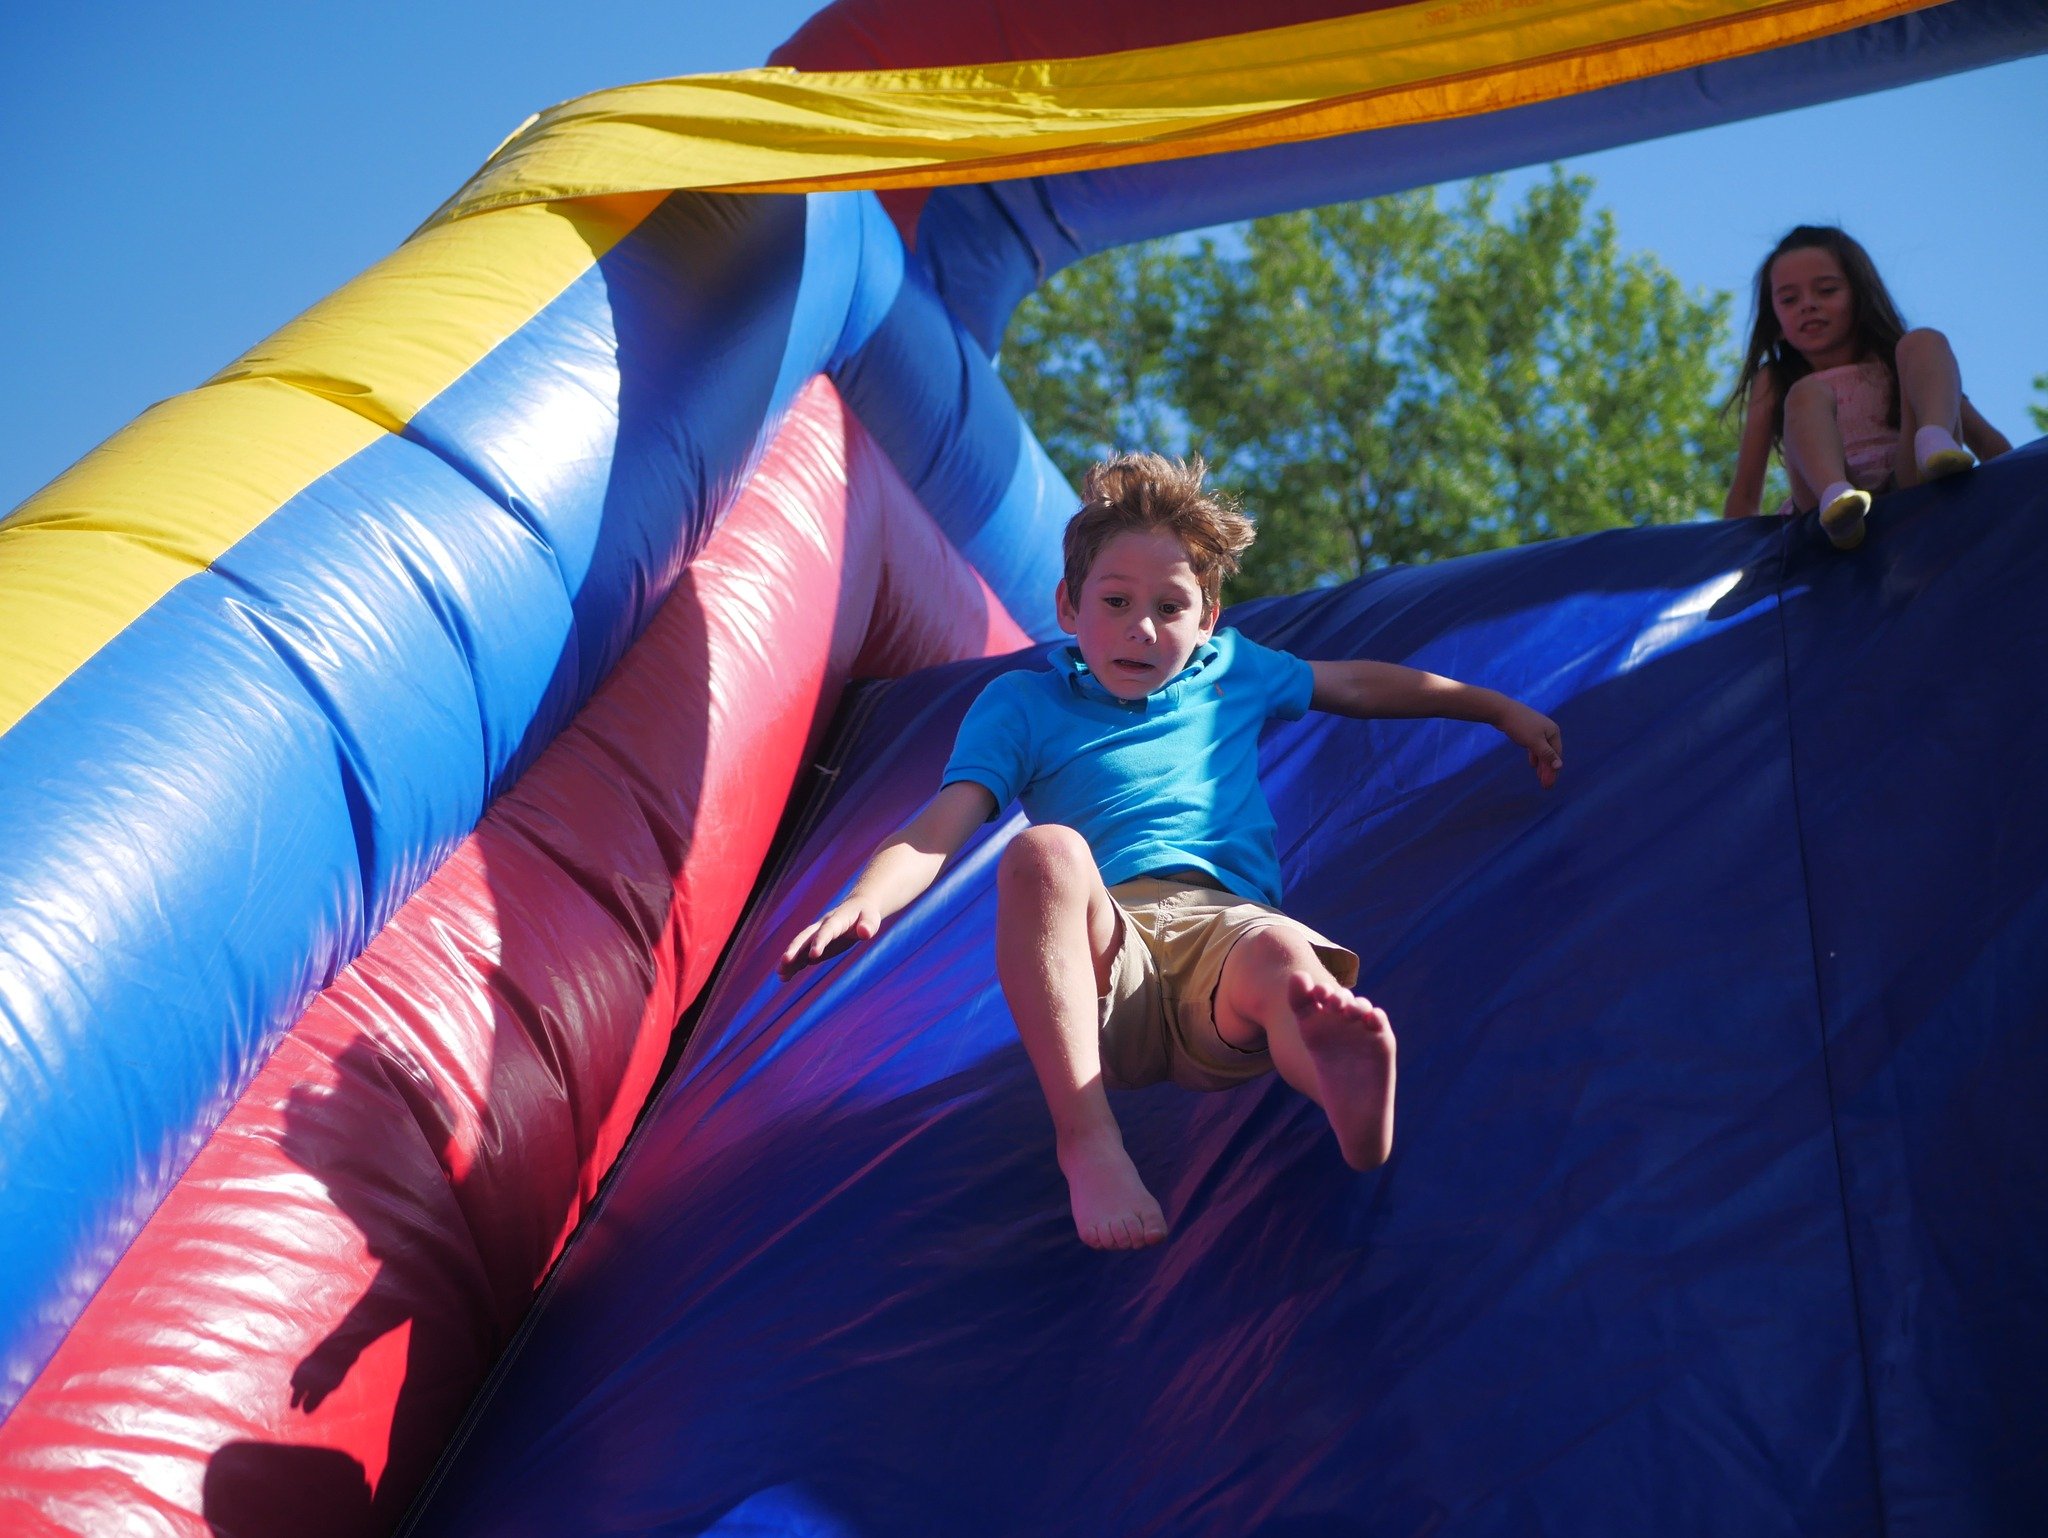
(1269, 952)
(1047, 855)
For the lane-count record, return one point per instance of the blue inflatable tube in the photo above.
(214, 814)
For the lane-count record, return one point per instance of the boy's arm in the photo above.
(896, 875)
(1386, 689)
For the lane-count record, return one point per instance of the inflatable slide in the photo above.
(416, 740)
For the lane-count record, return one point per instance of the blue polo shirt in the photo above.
(1167, 782)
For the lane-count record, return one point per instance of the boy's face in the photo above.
(1139, 614)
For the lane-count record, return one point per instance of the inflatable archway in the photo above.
(396, 726)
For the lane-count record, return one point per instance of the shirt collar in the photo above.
(1071, 665)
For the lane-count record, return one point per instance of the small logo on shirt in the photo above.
(1219, 690)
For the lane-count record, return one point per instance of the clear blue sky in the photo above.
(184, 179)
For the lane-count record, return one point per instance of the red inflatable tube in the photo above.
(886, 34)
(290, 1341)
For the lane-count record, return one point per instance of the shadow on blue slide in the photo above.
(1716, 1199)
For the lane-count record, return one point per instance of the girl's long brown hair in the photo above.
(1876, 320)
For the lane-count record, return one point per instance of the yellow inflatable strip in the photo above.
(781, 130)
(169, 493)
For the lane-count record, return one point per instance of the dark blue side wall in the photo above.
(1715, 1201)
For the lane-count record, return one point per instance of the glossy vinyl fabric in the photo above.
(290, 1339)
(1712, 1203)
(876, 34)
(988, 245)
(428, 678)
(214, 814)
(160, 501)
(219, 807)
(1381, 66)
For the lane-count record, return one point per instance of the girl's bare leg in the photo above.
(1056, 935)
(1930, 395)
(1327, 1042)
(1813, 439)
(1814, 454)
(1803, 495)
(1905, 471)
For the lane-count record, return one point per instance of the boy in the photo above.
(1138, 936)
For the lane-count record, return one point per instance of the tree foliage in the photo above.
(2038, 412)
(1393, 380)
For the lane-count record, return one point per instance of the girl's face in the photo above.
(1815, 307)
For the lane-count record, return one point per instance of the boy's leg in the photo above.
(1332, 1045)
(1057, 931)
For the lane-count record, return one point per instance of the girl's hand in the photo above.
(842, 927)
(1538, 736)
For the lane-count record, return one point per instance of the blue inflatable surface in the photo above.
(1714, 1206)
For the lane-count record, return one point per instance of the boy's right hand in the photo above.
(842, 927)
(906, 863)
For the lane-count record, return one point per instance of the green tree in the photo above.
(2039, 413)
(1394, 380)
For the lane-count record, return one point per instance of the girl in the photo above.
(1854, 402)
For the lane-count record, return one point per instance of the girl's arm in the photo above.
(1386, 689)
(896, 875)
(1753, 459)
(1982, 439)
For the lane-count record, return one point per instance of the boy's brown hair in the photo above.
(1150, 491)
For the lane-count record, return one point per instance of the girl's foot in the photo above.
(1352, 1047)
(1112, 1208)
(1937, 453)
(1842, 510)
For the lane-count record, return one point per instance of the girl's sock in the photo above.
(1842, 508)
(1937, 453)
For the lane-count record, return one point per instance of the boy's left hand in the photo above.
(1538, 736)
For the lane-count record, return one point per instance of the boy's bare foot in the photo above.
(1352, 1047)
(1112, 1208)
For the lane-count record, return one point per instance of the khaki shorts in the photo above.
(1159, 1015)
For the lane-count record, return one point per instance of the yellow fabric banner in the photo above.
(780, 130)
(166, 496)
